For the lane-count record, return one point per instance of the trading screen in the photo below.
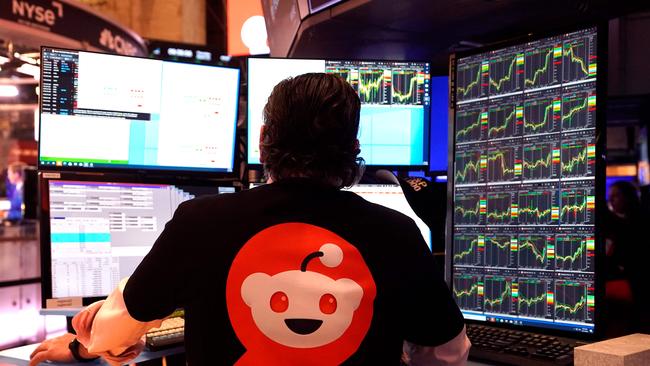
(99, 232)
(392, 196)
(110, 111)
(524, 184)
(395, 104)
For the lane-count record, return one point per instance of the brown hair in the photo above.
(311, 123)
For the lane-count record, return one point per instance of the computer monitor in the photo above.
(527, 184)
(395, 104)
(93, 234)
(392, 196)
(439, 132)
(108, 112)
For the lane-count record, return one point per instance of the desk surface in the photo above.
(19, 356)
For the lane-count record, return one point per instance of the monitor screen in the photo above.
(395, 107)
(439, 140)
(391, 196)
(102, 111)
(524, 184)
(99, 232)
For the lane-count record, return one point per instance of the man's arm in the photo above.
(433, 326)
(104, 329)
(452, 353)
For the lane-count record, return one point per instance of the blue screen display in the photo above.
(439, 123)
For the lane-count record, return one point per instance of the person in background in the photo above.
(627, 250)
(16, 180)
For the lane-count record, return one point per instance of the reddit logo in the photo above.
(298, 294)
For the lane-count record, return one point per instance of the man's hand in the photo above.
(55, 349)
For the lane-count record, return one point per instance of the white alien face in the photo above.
(302, 309)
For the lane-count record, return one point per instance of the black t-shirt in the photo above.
(294, 273)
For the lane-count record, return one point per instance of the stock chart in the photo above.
(498, 250)
(542, 115)
(541, 66)
(372, 86)
(468, 248)
(468, 291)
(470, 209)
(573, 301)
(575, 252)
(502, 208)
(579, 58)
(578, 109)
(538, 207)
(472, 81)
(578, 205)
(498, 294)
(536, 251)
(405, 86)
(541, 160)
(504, 164)
(535, 296)
(506, 73)
(468, 167)
(470, 124)
(524, 183)
(504, 120)
(385, 83)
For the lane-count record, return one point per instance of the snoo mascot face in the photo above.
(299, 294)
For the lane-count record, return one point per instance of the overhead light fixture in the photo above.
(8, 91)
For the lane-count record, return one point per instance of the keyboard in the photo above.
(171, 333)
(512, 347)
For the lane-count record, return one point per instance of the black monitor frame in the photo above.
(600, 174)
(427, 125)
(44, 178)
(152, 172)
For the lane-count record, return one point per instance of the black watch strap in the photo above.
(74, 349)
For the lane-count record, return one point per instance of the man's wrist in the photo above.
(80, 353)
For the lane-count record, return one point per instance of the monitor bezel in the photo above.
(44, 179)
(600, 174)
(160, 171)
(426, 151)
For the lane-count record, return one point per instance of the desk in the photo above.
(19, 356)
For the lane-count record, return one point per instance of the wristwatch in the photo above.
(74, 349)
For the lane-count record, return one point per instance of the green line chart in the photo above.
(504, 121)
(469, 209)
(467, 249)
(541, 68)
(467, 291)
(468, 167)
(541, 115)
(497, 250)
(579, 59)
(532, 297)
(471, 81)
(406, 87)
(498, 295)
(571, 301)
(372, 88)
(506, 74)
(535, 251)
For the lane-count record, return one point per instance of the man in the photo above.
(295, 272)
(16, 180)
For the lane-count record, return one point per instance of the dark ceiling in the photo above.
(432, 29)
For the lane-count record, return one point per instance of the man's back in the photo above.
(294, 273)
